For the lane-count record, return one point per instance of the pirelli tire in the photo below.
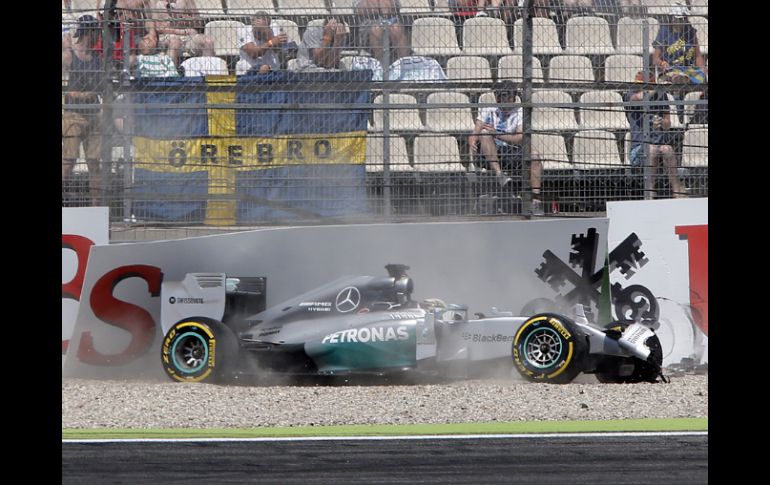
(549, 348)
(199, 349)
(630, 370)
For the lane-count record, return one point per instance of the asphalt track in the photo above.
(679, 459)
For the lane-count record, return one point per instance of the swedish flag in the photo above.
(207, 152)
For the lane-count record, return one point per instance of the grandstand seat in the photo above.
(552, 150)
(602, 117)
(545, 36)
(627, 148)
(403, 183)
(210, 8)
(569, 68)
(205, 66)
(468, 69)
(689, 110)
(434, 36)
(241, 67)
(485, 36)
(553, 118)
(401, 119)
(596, 150)
(341, 8)
(455, 119)
(701, 25)
(347, 64)
(441, 8)
(84, 7)
(588, 35)
(488, 97)
(437, 154)
(290, 27)
(399, 156)
(247, 8)
(225, 35)
(302, 8)
(676, 124)
(510, 67)
(622, 68)
(442, 177)
(699, 7)
(292, 65)
(658, 7)
(630, 33)
(415, 7)
(695, 147)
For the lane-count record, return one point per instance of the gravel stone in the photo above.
(163, 404)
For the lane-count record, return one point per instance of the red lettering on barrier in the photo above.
(71, 290)
(698, 248)
(137, 321)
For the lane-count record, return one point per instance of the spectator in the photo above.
(321, 45)
(154, 63)
(128, 22)
(81, 115)
(177, 26)
(498, 134)
(376, 17)
(658, 121)
(677, 54)
(261, 48)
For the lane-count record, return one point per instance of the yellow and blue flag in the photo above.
(208, 152)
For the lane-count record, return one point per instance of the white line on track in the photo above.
(382, 438)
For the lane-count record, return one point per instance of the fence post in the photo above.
(526, 189)
(107, 93)
(649, 186)
(386, 122)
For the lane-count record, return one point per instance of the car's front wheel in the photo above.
(199, 349)
(549, 348)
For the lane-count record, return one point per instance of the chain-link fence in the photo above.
(254, 112)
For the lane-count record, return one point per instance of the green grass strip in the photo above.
(678, 424)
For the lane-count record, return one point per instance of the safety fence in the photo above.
(187, 127)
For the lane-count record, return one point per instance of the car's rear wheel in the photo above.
(199, 349)
(549, 348)
(626, 370)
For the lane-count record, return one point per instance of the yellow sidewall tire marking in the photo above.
(212, 344)
(523, 327)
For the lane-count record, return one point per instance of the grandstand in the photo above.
(383, 139)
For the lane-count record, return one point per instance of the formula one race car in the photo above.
(217, 328)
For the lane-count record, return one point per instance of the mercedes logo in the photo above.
(347, 299)
(172, 300)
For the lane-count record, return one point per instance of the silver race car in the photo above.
(217, 329)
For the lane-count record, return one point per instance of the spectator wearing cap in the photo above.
(656, 135)
(81, 114)
(498, 136)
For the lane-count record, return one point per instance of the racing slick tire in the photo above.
(630, 370)
(199, 349)
(549, 348)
